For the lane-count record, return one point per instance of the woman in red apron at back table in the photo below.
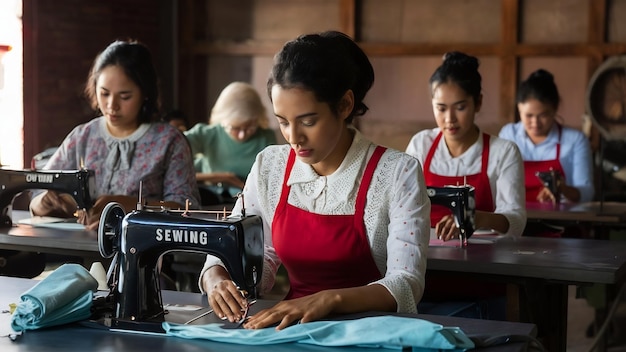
(457, 152)
(548, 146)
(347, 218)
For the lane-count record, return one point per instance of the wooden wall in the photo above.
(405, 39)
(202, 45)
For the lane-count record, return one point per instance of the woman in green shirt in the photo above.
(226, 148)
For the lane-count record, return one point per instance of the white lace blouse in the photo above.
(505, 171)
(396, 213)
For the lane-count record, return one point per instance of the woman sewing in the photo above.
(457, 152)
(225, 149)
(347, 218)
(124, 147)
(548, 146)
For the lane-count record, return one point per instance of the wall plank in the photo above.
(406, 21)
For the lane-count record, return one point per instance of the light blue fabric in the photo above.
(390, 332)
(63, 297)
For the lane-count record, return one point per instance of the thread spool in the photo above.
(98, 273)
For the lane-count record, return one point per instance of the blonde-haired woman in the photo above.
(226, 148)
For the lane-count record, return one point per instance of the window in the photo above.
(11, 85)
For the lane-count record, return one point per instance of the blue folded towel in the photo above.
(64, 296)
(381, 331)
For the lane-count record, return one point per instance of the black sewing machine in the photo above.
(80, 184)
(550, 181)
(137, 240)
(461, 201)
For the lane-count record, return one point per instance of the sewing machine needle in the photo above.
(199, 316)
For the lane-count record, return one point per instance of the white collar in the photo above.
(304, 176)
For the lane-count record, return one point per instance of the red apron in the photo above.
(323, 252)
(533, 184)
(480, 181)
(457, 286)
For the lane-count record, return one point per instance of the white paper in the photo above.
(478, 237)
(52, 222)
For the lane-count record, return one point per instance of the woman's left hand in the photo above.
(91, 218)
(446, 228)
(303, 309)
(545, 196)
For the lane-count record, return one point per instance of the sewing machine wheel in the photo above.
(110, 228)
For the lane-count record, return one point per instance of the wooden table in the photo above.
(77, 242)
(80, 338)
(593, 219)
(542, 268)
(593, 212)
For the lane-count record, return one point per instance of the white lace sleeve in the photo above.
(398, 213)
(260, 196)
(507, 184)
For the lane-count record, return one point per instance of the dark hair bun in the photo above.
(541, 76)
(460, 60)
(539, 85)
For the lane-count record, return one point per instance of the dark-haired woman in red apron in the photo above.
(348, 219)
(457, 153)
(547, 146)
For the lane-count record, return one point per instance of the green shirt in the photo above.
(216, 151)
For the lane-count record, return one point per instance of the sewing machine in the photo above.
(137, 240)
(80, 184)
(461, 201)
(550, 179)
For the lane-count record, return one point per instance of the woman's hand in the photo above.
(303, 309)
(227, 301)
(545, 196)
(91, 219)
(446, 228)
(51, 203)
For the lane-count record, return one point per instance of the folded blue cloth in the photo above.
(381, 332)
(64, 296)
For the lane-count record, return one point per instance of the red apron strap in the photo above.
(368, 174)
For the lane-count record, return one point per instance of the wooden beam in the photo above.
(508, 60)
(416, 49)
(347, 23)
(574, 49)
(248, 48)
(257, 47)
(596, 35)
